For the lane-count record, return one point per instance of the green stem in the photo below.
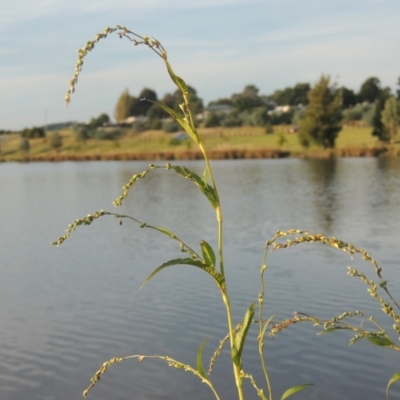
(261, 334)
(225, 296)
(236, 370)
(218, 211)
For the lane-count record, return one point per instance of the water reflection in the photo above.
(323, 177)
(65, 311)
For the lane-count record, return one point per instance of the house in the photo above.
(132, 119)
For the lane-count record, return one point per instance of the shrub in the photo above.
(55, 140)
(358, 112)
(212, 120)
(231, 120)
(156, 124)
(260, 116)
(105, 134)
(139, 126)
(171, 127)
(24, 145)
(82, 132)
(269, 128)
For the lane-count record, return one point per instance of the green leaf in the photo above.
(392, 380)
(219, 279)
(204, 176)
(266, 326)
(200, 368)
(176, 79)
(205, 188)
(294, 390)
(241, 336)
(181, 121)
(208, 253)
(236, 356)
(380, 341)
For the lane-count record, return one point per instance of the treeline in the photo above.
(317, 112)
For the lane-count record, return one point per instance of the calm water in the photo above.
(64, 311)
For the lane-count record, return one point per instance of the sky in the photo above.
(216, 46)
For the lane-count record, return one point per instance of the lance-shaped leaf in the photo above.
(200, 368)
(219, 279)
(380, 341)
(181, 121)
(392, 380)
(176, 79)
(205, 188)
(266, 324)
(294, 390)
(204, 176)
(208, 253)
(240, 337)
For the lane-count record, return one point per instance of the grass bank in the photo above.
(221, 143)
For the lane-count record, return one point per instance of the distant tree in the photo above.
(379, 129)
(212, 120)
(33, 133)
(224, 101)
(255, 116)
(24, 145)
(291, 95)
(125, 106)
(155, 124)
(143, 105)
(398, 90)
(245, 117)
(391, 117)
(176, 99)
(81, 132)
(231, 120)
(168, 100)
(250, 90)
(370, 90)
(348, 97)
(298, 115)
(361, 111)
(55, 140)
(156, 112)
(170, 127)
(322, 121)
(249, 98)
(300, 92)
(101, 120)
(260, 117)
(195, 101)
(282, 118)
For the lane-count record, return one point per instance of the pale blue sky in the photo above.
(217, 46)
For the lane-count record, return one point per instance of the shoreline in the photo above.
(231, 154)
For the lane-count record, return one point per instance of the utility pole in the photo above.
(45, 121)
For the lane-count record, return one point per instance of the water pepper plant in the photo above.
(211, 261)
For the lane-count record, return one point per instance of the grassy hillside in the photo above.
(352, 141)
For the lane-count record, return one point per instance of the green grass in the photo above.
(240, 138)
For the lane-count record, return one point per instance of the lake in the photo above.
(66, 310)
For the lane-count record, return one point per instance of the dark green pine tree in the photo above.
(322, 121)
(379, 129)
